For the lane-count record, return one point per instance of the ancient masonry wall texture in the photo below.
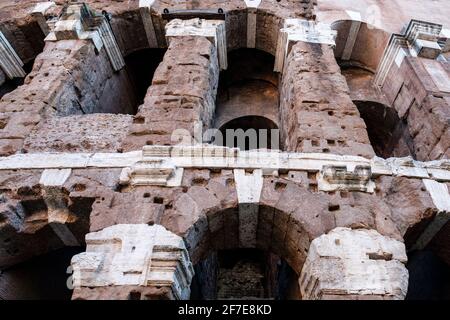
(90, 163)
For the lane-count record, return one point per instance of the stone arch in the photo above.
(268, 140)
(359, 44)
(248, 89)
(388, 134)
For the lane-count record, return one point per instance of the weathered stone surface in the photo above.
(182, 94)
(99, 132)
(346, 263)
(134, 255)
(316, 112)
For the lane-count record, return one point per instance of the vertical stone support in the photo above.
(52, 181)
(10, 62)
(414, 76)
(249, 188)
(354, 265)
(180, 103)
(252, 7)
(352, 35)
(316, 111)
(38, 13)
(145, 7)
(133, 261)
(441, 198)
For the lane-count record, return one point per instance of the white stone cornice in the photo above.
(207, 156)
(213, 30)
(10, 61)
(296, 30)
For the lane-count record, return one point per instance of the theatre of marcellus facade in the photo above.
(114, 185)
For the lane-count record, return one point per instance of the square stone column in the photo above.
(129, 260)
(354, 265)
(317, 114)
(180, 103)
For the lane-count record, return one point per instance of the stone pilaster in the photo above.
(133, 262)
(10, 62)
(180, 103)
(354, 264)
(316, 112)
(414, 76)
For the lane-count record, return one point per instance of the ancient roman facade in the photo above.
(112, 185)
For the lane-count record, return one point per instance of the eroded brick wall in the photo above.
(316, 112)
(68, 78)
(182, 93)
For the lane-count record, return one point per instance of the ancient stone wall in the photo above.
(317, 114)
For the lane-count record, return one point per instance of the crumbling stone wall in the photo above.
(316, 112)
(68, 78)
(183, 92)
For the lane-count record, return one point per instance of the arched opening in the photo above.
(141, 66)
(248, 96)
(360, 43)
(388, 134)
(45, 277)
(257, 133)
(429, 276)
(235, 260)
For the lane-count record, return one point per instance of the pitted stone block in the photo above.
(295, 30)
(346, 264)
(134, 255)
(213, 30)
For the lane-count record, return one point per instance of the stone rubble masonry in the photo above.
(356, 265)
(182, 93)
(67, 78)
(135, 255)
(316, 112)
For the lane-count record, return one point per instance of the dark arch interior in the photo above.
(41, 278)
(388, 133)
(261, 136)
(265, 264)
(12, 84)
(244, 274)
(429, 276)
(247, 95)
(141, 66)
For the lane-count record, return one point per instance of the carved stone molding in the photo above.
(352, 264)
(10, 62)
(339, 178)
(134, 255)
(295, 30)
(419, 39)
(152, 172)
(213, 30)
(79, 22)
